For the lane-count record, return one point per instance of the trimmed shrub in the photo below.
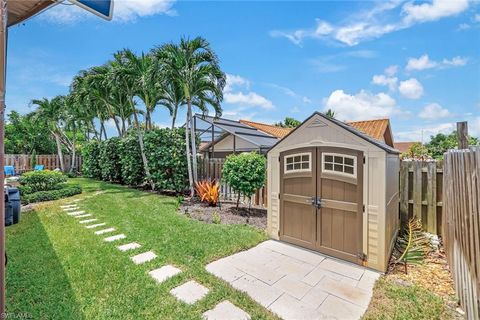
(109, 160)
(44, 180)
(90, 160)
(244, 172)
(64, 192)
(165, 151)
(131, 161)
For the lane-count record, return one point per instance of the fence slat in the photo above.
(432, 197)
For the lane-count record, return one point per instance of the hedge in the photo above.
(110, 160)
(119, 159)
(90, 160)
(131, 164)
(165, 150)
(65, 191)
(44, 180)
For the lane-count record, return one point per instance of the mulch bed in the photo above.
(229, 214)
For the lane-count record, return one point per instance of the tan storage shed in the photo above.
(335, 190)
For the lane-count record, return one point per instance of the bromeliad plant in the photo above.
(208, 191)
(412, 245)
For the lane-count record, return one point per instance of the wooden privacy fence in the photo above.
(23, 162)
(421, 188)
(212, 169)
(461, 227)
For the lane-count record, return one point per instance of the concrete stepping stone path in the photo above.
(226, 310)
(190, 292)
(104, 231)
(129, 246)
(92, 226)
(115, 238)
(143, 257)
(88, 220)
(68, 206)
(83, 215)
(75, 213)
(164, 273)
(71, 209)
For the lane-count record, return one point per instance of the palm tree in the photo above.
(194, 67)
(172, 98)
(52, 112)
(330, 113)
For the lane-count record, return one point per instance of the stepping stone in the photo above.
(105, 231)
(163, 273)
(75, 213)
(83, 215)
(71, 208)
(76, 200)
(143, 257)
(88, 220)
(68, 206)
(129, 246)
(114, 238)
(226, 310)
(95, 225)
(189, 292)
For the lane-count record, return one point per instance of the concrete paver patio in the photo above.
(297, 283)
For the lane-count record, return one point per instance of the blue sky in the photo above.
(417, 63)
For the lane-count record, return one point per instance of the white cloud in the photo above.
(123, 11)
(306, 100)
(474, 127)
(434, 111)
(382, 18)
(363, 105)
(455, 61)
(424, 133)
(411, 88)
(421, 63)
(250, 99)
(232, 93)
(424, 62)
(435, 10)
(235, 81)
(383, 80)
(289, 92)
(391, 70)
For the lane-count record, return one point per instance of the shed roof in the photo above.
(349, 128)
(20, 10)
(275, 131)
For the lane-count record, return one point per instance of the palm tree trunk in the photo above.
(102, 124)
(72, 167)
(142, 152)
(187, 146)
(174, 116)
(148, 119)
(117, 124)
(194, 143)
(59, 151)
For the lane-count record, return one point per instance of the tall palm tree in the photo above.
(172, 98)
(52, 112)
(194, 67)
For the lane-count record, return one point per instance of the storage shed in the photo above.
(335, 190)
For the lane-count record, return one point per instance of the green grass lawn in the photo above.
(58, 269)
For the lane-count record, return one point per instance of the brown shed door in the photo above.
(322, 200)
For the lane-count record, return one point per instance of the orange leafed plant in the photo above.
(208, 191)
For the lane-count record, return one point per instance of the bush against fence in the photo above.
(119, 159)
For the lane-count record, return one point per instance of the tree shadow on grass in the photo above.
(37, 285)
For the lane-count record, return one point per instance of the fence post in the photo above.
(404, 192)
(462, 135)
(432, 197)
(417, 189)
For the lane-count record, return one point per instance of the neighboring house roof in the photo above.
(19, 11)
(374, 128)
(404, 146)
(275, 131)
(350, 128)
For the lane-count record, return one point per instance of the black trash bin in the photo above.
(8, 209)
(14, 199)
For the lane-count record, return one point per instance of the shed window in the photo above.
(298, 162)
(339, 164)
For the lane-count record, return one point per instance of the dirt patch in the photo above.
(227, 212)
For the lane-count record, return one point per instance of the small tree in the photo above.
(245, 173)
(416, 151)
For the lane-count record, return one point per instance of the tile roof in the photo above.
(275, 131)
(373, 128)
(404, 146)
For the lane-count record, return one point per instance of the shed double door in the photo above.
(321, 199)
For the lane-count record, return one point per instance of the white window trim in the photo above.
(309, 154)
(354, 158)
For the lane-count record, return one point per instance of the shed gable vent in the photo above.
(317, 123)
